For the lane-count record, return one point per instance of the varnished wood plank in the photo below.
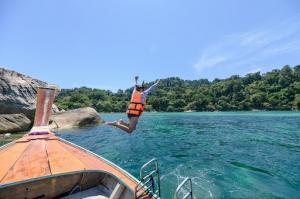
(32, 163)
(61, 160)
(9, 156)
(94, 162)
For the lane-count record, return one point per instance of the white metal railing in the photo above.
(149, 181)
(187, 195)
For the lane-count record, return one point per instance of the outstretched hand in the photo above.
(136, 79)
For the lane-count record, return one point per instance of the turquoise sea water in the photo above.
(227, 155)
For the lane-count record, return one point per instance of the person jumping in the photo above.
(135, 108)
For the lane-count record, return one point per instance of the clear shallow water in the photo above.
(228, 155)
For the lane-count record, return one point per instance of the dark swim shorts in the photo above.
(131, 115)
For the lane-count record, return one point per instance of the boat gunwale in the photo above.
(74, 172)
(78, 171)
(63, 174)
(7, 144)
(98, 156)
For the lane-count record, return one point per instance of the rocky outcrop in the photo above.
(18, 93)
(11, 123)
(18, 103)
(75, 118)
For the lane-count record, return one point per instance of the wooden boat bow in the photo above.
(42, 165)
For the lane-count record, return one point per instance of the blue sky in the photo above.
(103, 44)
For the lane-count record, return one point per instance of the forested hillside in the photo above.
(275, 90)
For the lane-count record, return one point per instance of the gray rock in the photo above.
(75, 118)
(18, 93)
(11, 123)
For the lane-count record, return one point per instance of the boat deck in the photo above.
(40, 155)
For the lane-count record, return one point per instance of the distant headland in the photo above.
(278, 89)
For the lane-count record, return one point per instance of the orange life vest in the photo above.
(136, 106)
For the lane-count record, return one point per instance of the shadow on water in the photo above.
(251, 168)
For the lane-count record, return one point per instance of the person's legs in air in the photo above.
(128, 127)
(123, 122)
(132, 123)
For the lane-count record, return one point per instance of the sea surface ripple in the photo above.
(227, 154)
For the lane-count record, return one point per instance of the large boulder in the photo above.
(18, 93)
(75, 118)
(11, 123)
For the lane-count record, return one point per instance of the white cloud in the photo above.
(284, 48)
(208, 61)
(249, 48)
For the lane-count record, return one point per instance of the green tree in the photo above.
(296, 102)
(278, 89)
